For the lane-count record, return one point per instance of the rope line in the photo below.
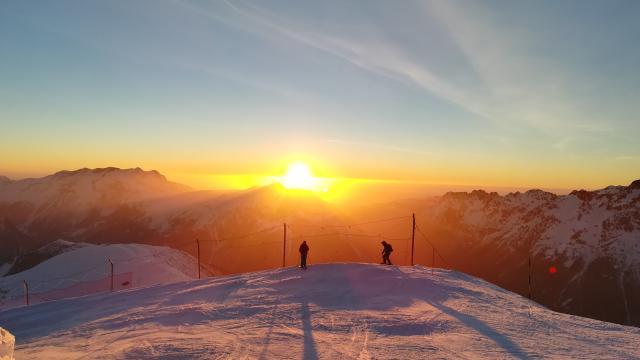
(241, 236)
(192, 242)
(66, 277)
(225, 245)
(377, 236)
(251, 245)
(355, 224)
(303, 236)
(437, 252)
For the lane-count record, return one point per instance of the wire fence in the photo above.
(111, 274)
(269, 247)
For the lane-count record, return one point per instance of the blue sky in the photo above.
(541, 93)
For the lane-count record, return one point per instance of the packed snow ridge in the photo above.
(349, 311)
(86, 268)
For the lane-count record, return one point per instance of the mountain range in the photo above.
(581, 250)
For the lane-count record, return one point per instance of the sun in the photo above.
(299, 176)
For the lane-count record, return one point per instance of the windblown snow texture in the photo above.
(348, 311)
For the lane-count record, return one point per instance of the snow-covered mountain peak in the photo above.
(111, 171)
(592, 238)
(539, 195)
(85, 189)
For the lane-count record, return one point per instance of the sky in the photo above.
(218, 94)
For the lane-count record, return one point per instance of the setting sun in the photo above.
(277, 173)
(299, 176)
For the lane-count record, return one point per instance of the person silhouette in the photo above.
(304, 249)
(386, 252)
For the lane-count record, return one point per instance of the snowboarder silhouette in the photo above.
(386, 252)
(304, 249)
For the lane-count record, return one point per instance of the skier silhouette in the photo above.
(386, 252)
(304, 249)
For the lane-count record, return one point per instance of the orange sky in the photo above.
(220, 96)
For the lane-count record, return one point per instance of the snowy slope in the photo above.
(350, 311)
(7, 342)
(591, 238)
(143, 265)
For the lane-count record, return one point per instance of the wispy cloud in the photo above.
(382, 59)
(512, 93)
(521, 86)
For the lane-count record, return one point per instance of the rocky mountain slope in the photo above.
(584, 246)
(69, 204)
(134, 206)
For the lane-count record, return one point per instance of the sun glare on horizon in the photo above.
(299, 176)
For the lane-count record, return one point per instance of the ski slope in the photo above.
(86, 269)
(331, 311)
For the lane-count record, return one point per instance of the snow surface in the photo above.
(148, 265)
(7, 342)
(4, 268)
(349, 311)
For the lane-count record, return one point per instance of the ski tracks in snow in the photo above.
(360, 347)
(341, 311)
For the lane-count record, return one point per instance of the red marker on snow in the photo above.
(552, 270)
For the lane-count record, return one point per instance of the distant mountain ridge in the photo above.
(134, 183)
(112, 205)
(36, 211)
(591, 239)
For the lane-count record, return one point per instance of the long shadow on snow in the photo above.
(309, 350)
(337, 287)
(503, 341)
(382, 288)
(364, 287)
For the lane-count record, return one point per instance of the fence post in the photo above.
(111, 264)
(198, 243)
(284, 245)
(433, 258)
(26, 292)
(529, 276)
(413, 235)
